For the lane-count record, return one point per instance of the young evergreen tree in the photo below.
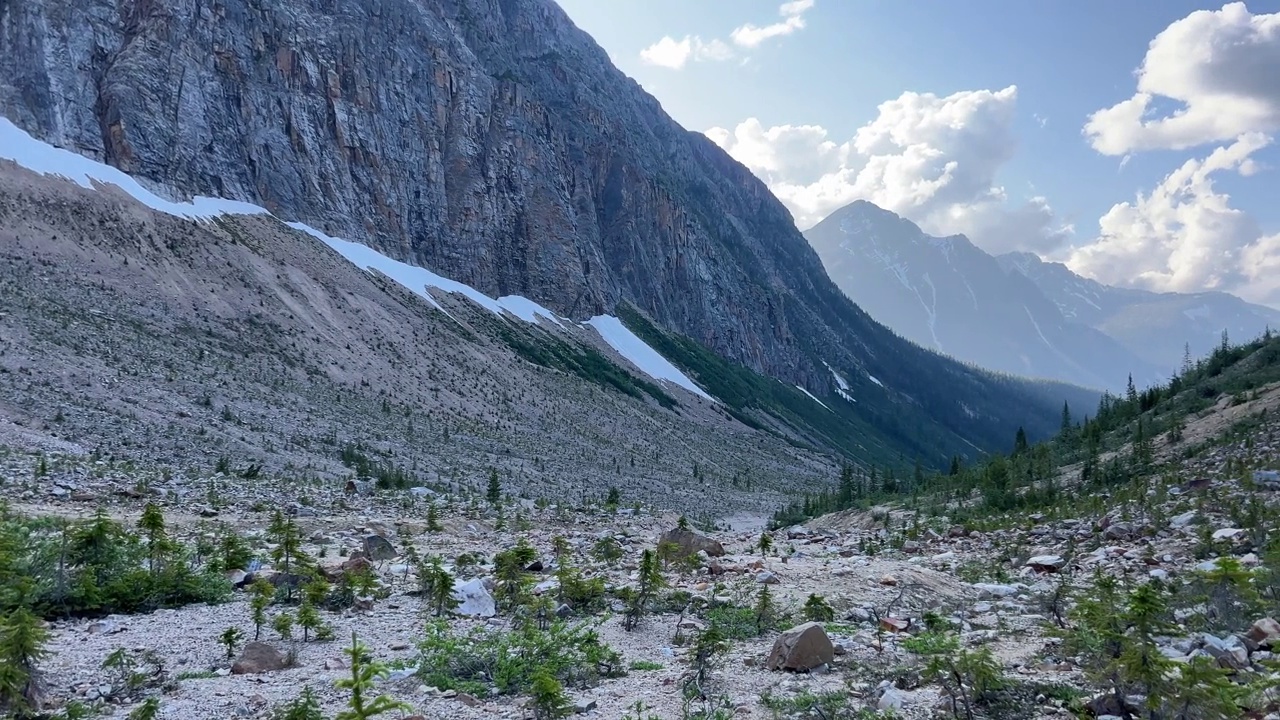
(154, 536)
(230, 638)
(365, 673)
(22, 647)
(433, 519)
(261, 593)
(282, 623)
(766, 610)
(305, 707)
(494, 492)
(647, 585)
(287, 555)
(817, 609)
(436, 586)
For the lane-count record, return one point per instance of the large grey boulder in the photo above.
(803, 647)
(377, 547)
(474, 599)
(691, 543)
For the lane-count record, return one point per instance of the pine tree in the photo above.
(283, 625)
(436, 586)
(287, 555)
(433, 519)
(817, 609)
(365, 672)
(261, 594)
(22, 647)
(1131, 392)
(766, 611)
(305, 707)
(230, 638)
(1066, 428)
(1020, 441)
(512, 576)
(848, 486)
(494, 493)
(148, 710)
(153, 532)
(548, 698)
(650, 580)
(1187, 363)
(308, 618)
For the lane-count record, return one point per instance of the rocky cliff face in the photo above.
(490, 140)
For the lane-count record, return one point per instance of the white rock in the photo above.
(474, 600)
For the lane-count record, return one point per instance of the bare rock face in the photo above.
(259, 657)
(803, 647)
(491, 141)
(691, 543)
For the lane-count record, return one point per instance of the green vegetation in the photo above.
(881, 428)
(1026, 478)
(510, 662)
(364, 673)
(581, 360)
(59, 568)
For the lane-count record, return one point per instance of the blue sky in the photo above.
(829, 65)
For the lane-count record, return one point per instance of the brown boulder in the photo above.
(803, 647)
(259, 657)
(691, 542)
(1265, 633)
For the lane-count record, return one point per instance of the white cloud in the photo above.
(750, 36)
(931, 159)
(671, 53)
(1222, 70)
(1185, 236)
(674, 54)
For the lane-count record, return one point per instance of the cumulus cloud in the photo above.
(931, 159)
(674, 53)
(792, 13)
(1220, 68)
(1185, 236)
(671, 53)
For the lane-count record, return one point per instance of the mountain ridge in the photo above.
(500, 148)
(945, 293)
(1159, 327)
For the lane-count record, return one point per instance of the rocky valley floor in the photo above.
(1010, 587)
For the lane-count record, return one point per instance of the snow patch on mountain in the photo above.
(640, 354)
(842, 387)
(40, 157)
(45, 159)
(811, 395)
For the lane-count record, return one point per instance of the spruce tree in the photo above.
(22, 647)
(647, 585)
(494, 492)
(261, 594)
(365, 672)
(153, 533)
(433, 519)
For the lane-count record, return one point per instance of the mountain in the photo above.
(1158, 327)
(494, 143)
(948, 295)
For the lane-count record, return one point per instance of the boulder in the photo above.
(691, 543)
(891, 699)
(767, 578)
(1046, 563)
(474, 599)
(1119, 531)
(1230, 652)
(1265, 633)
(803, 647)
(259, 657)
(988, 591)
(377, 547)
